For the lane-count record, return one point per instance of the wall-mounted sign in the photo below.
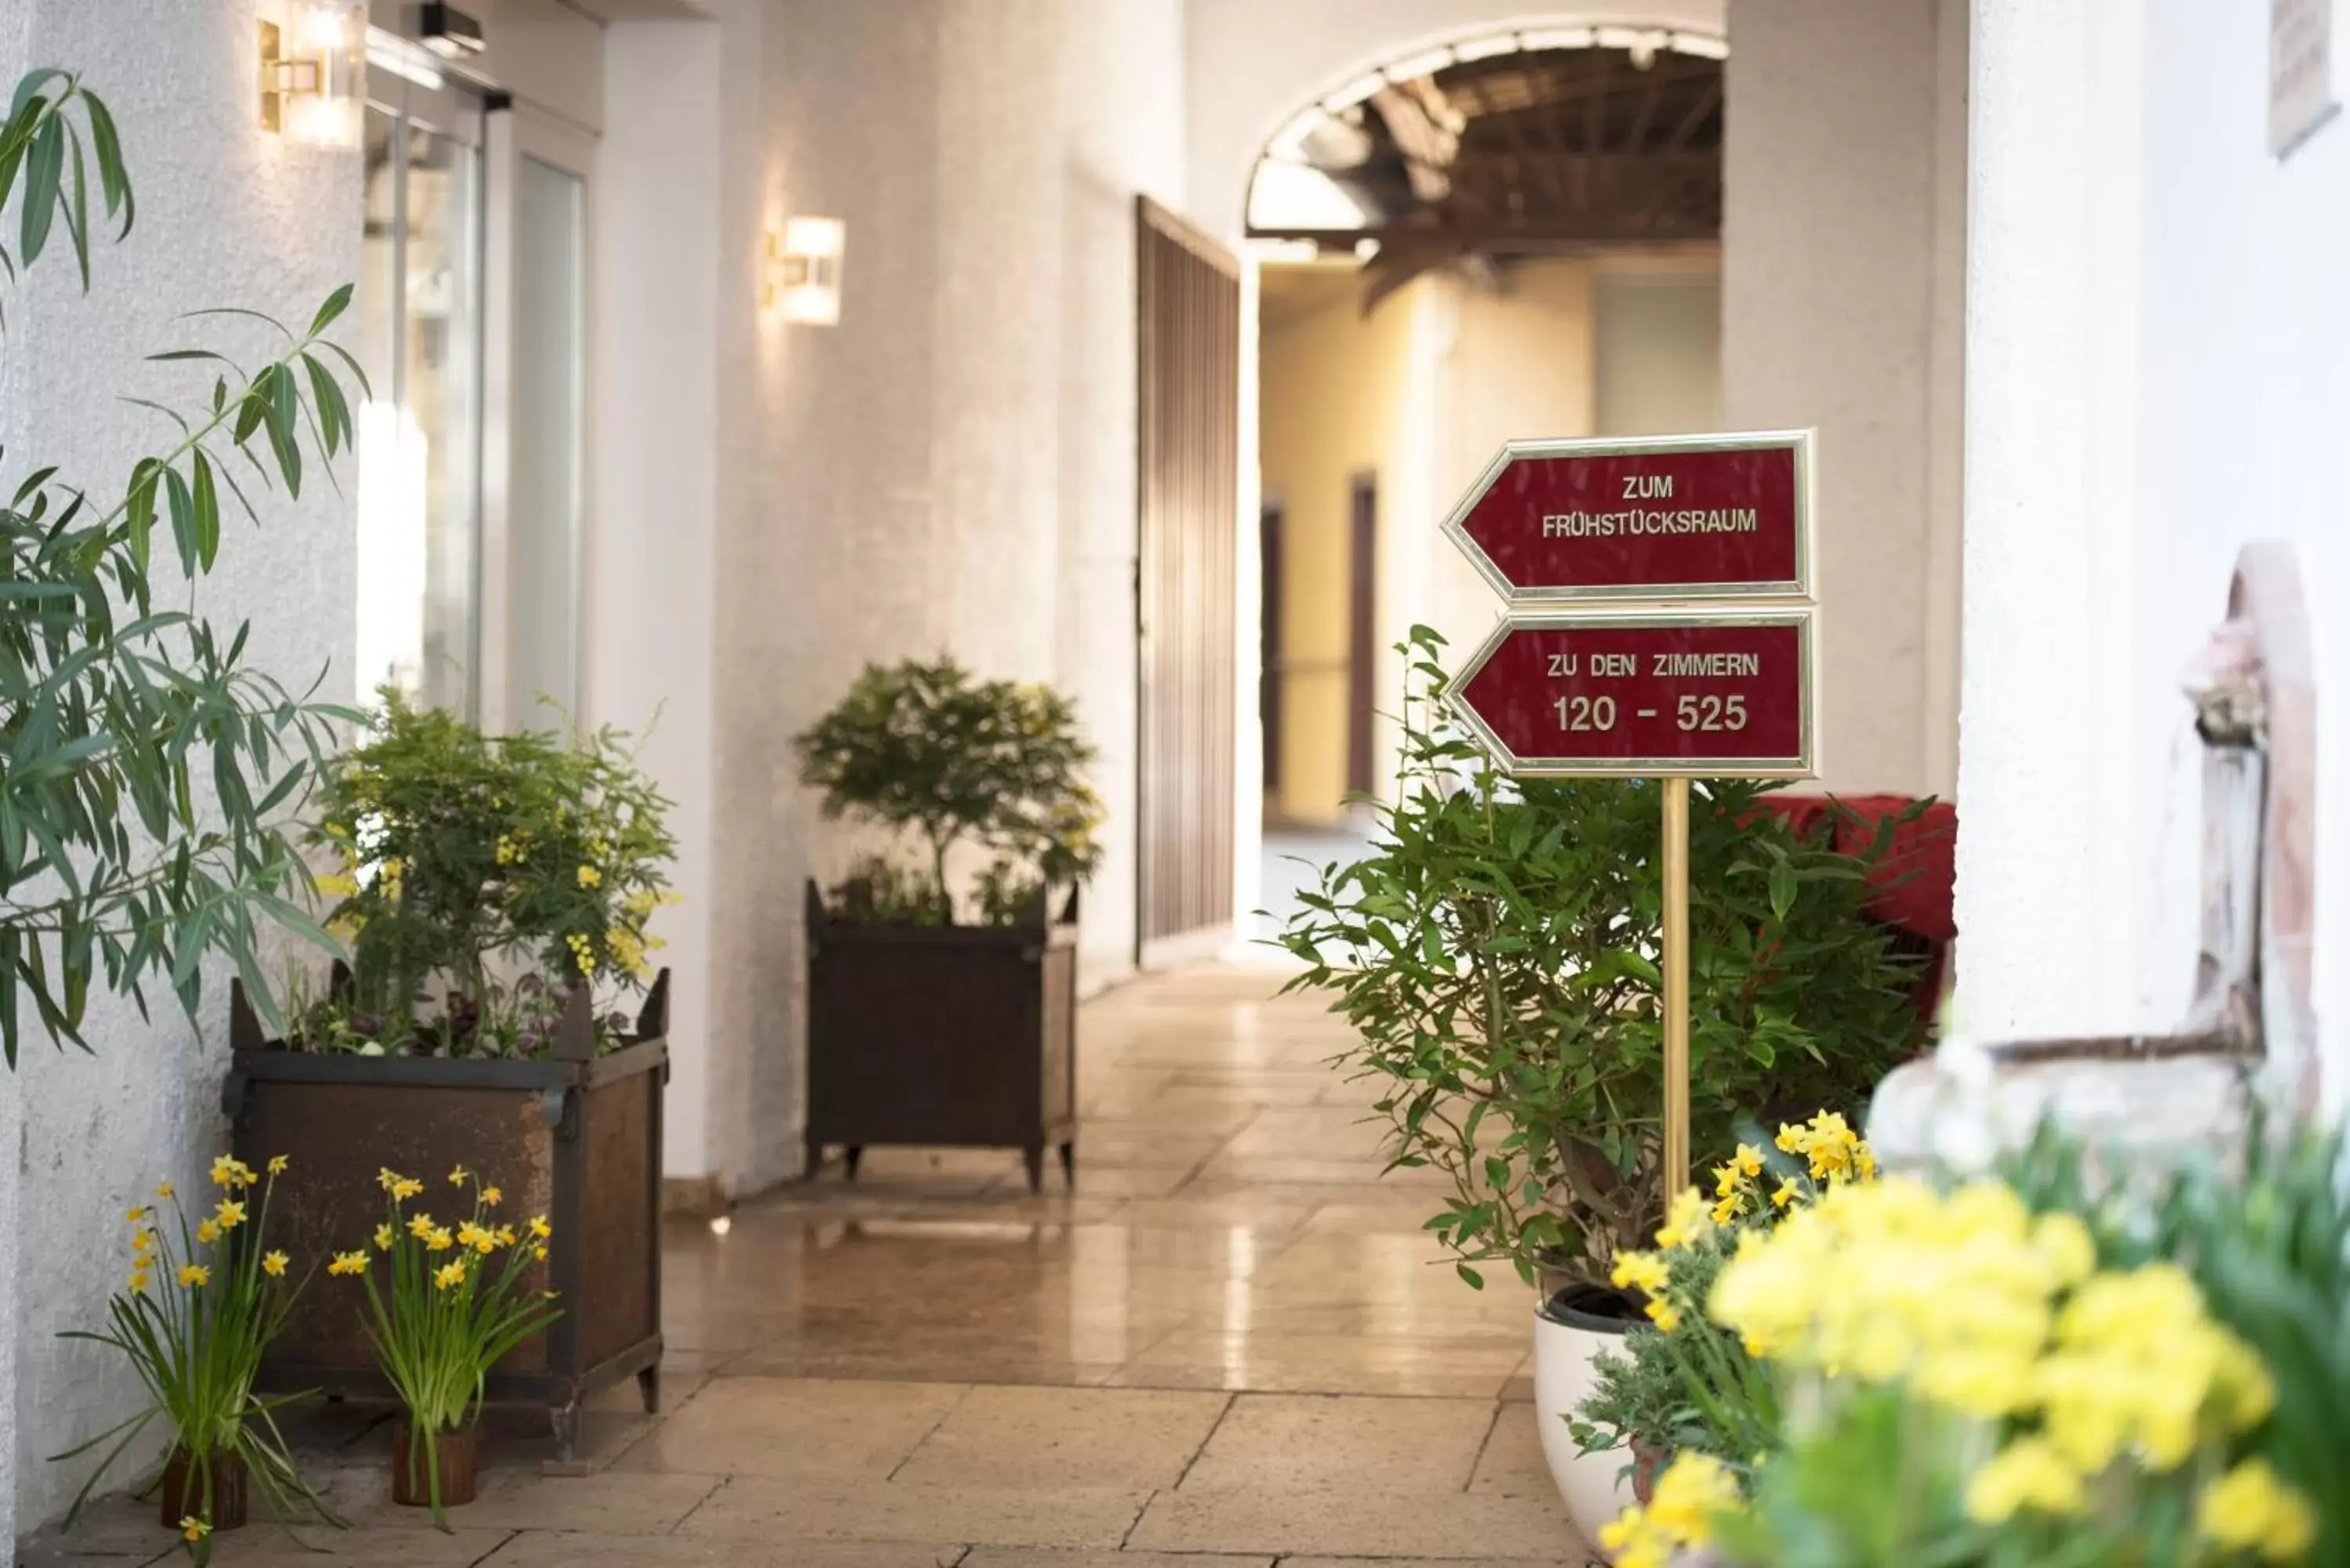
(2301, 71)
(1710, 695)
(1716, 516)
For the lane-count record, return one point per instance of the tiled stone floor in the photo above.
(1229, 1346)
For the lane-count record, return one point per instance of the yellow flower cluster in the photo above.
(583, 953)
(1695, 1490)
(589, 877)
(512, 851)
(1836, 1153)
(470, 1239)
(1989, 1310)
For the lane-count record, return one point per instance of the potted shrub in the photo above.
(1496, 955)
(935, 1019)
(442, 1316)
(495, 893)
(199, 1308)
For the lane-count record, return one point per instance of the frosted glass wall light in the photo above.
(313, 71)
(803, 271)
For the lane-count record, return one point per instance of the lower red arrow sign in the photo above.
(1722, 696)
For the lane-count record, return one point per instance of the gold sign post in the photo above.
(1660, 628)
(1677, 990)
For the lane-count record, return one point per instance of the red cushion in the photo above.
(1913, 883)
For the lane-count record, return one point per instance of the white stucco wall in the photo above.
(671, 295)
(2158, 370)
(227, 215)
(951, 467)
(1831, 233)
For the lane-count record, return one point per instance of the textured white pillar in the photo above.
(2045, 791)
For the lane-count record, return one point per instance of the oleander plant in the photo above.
(150, 766)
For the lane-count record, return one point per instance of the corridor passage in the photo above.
(1230, 1346)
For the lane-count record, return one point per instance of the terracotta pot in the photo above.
(184, 1491)
(458, 1457)
(1648, 1464)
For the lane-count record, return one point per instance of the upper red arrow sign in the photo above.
(1714, 516)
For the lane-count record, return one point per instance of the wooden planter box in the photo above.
(943, 1037)
(576, 1138)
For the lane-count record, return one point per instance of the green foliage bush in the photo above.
(1496, 955)
(922, 747)
(465, 857)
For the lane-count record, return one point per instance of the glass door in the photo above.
(419, 305)
(541, 496)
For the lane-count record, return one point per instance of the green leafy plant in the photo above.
(454, 1301)
(923, 748)
(462, 856)
(1495, 953)
(200, 1307)
(145, 767)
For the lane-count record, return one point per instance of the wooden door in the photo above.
(1188, 486)
(1362, 631)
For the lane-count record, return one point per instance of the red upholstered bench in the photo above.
(1911, 886)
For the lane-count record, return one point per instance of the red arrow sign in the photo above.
(1693, 517)
(1720, 697)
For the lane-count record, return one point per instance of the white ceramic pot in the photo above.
(1597, 1486)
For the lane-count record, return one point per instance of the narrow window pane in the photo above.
(390, 539)
(441, 332)
(549, 347)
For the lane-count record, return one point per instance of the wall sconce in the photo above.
(313, 66)
(802, 273)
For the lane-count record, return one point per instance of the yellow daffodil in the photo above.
(1728, 1208)
(194, 1274)
(492, 1196)
(388, 1178)
(192, 1528)
(1638, 1271)
(539, 1228)
(277, 1163)
(229, 1215)
(406, 1189)
(1789, 1192)
(274, 1265)
(1749, 1160)
(1664, 1314)
(2029, 1473)
(1685, 1222)
(383, 1238)
(2250, 1509)
(439, 1241)
(457, 1176)
(228, 1171)
(348, 1263)
(420, 1225)
(135, 1215)
(505, 1236)
(139, 1280)
(208, 1232)
(163, 1190)
(449, 1275)
(539, 1252)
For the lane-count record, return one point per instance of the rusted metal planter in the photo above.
(576, 1138)
(943, 1037)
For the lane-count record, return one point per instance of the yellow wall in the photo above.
(1421, 394)
(1334, 384)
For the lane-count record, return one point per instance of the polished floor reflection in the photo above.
(1229, 1343)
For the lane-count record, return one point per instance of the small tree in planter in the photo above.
(1496, 954)
(925, 1029)
(488, 886)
